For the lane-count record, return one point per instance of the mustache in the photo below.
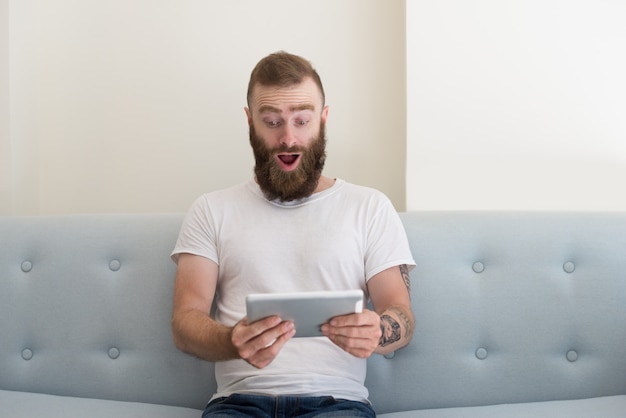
(284, 149)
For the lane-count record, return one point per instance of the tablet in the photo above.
(308, 310)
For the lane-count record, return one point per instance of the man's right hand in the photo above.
(260, 342)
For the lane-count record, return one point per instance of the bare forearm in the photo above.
(397, 324)
(198, 334)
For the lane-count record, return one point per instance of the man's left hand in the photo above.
(358, 334)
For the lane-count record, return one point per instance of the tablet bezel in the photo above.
(308, 310)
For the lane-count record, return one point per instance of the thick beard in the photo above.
(289, 185)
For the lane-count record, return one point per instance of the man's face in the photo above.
(287, 134)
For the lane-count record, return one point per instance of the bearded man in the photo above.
(290, 229)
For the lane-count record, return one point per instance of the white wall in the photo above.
(137, 105)
(5, 149)
(516, 104)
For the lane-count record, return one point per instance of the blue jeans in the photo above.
(286, 407)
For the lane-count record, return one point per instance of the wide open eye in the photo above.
(272, 123)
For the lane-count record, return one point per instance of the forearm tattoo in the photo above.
(390, 330)
(406, 321)
(404, 271)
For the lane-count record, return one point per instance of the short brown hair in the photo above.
(282, 69)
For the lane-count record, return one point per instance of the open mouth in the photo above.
(288, 161)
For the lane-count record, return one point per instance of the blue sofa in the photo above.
(518, 314)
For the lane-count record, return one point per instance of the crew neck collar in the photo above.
(256, 189)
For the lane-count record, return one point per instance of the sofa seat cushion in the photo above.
(28, 405)
(606, 407)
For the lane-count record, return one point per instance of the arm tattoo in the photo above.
(390, 329)
(404, 271)
(406, 321)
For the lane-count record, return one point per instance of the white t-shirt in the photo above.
(334, 240)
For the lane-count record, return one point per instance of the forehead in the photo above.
(305, 94)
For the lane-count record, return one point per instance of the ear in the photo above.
(325, 114)
(248, 115)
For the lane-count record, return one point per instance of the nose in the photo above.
(287, 137)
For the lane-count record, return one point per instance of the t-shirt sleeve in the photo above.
(387, 243)
(197, 233)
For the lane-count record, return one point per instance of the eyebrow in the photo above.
(272, 109)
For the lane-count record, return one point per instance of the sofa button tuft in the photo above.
(27, 354)
(114, 353)
(389, 356)
(115, 265)
(27, 266)
(572, 356)
(569, 267)
(481, 353)
(478, 267)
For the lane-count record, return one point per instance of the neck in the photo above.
(324, 183)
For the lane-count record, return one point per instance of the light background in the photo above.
(137, 105)
(516, 104)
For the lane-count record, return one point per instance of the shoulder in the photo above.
(362, 190)
(226, 196)
(363, 194)
(212, 206)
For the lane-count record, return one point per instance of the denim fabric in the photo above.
(286, 407)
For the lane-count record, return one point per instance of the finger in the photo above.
(249, 348)
(368, 331)
(358, 347)
(270, 336)
(243, 332)
(360, 341)
(351, 320)
(264, 356)
(364, 318)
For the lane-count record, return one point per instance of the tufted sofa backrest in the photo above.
(85, 306)
(510, 307)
